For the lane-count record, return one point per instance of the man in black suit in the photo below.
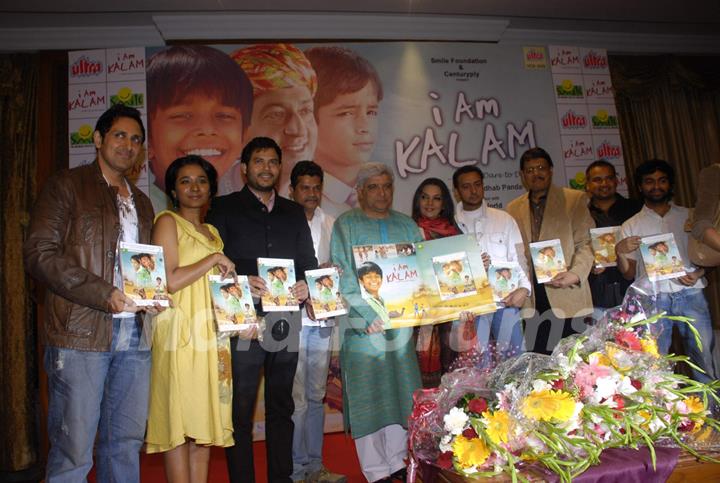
(256, 222)
(608, 208)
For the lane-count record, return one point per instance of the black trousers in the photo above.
(249, 360)
(544, 330)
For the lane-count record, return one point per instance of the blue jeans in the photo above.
(689, 302)
(98, 392)
(505, 327)
(308, 394)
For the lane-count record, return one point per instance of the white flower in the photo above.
(605, 388)
(656, 424)
(455, 421)
(625, 387)
(681, 407)
(445, 443)
(533, 442)
(470, 470)
(540, 385)
(565, 365)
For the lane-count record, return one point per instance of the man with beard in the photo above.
(256, 222)
(500, 239)
(608, 208)
(380, 369)
(547, 212)
(682, 296)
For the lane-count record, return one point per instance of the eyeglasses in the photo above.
(541, 168)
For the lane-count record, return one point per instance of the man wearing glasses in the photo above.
(548, 212)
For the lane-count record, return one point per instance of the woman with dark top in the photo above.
(434, 212)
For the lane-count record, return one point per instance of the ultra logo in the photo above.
(84, 67)
(608, 151)
(593, 60)
(571, 120)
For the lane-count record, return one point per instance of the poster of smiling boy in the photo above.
(143, 273)
(390, 282)
(661, 257)
(232, 303)
(324, 287)
(199, 102)
(473, 290)
(453, 276)
(279, 276)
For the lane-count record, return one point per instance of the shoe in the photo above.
(323, 475)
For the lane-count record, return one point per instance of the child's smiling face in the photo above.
(196, 125)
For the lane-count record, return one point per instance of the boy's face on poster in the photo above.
(196, 125)
(147, 262)
(286, 115)
(372, 282)
(348, 129)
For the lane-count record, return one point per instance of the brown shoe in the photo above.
(323, 475)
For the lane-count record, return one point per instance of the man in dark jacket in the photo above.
(97, 363)
(608, 208)
(256, 222)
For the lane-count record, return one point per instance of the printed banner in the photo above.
(424, 283)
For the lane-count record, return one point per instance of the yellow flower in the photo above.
(695, 405)
(470, 452)
(618, 357)
(649, 345)
(497, 426)
(549, 405)
(600, 359)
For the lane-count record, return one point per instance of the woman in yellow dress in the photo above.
(191, 383)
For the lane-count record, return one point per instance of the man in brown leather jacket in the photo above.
(97, 364)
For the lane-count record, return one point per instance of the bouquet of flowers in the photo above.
(606, 388)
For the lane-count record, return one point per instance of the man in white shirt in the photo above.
(500, 240)
(681, 296)
(306, 186)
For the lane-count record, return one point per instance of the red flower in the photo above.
(636, 384)
(558, 385)
(619, 401)
(445, 460)
(687, 426)
(629, 339)
(470, 433)
(477, 405)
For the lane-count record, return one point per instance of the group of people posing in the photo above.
(163, 378)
